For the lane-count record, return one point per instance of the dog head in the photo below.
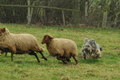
(91, 49)
(89, 46)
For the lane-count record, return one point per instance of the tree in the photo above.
(105, 6)
(30, 11)
(114, 12)
(13, 14)
(110, 12)
(75, 15)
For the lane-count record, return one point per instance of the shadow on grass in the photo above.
(27, 62)
(90, 61)
(30, 63)
(67, 63)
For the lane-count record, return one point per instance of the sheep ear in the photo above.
(50, 37)
(3, 29)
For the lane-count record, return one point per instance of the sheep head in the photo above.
(46, 39)
(2, 30)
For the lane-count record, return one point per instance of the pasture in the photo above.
(26, 67)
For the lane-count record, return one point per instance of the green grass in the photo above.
(26, 67)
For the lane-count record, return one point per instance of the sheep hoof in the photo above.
(64, 62)
(76, 62)
(44, 58)
(68, 60)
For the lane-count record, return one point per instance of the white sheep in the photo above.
(62, 49)
(19, 43)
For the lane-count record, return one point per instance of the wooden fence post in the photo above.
(63, 16)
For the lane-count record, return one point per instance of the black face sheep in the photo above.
(19, 43)
(91, 49)
(62, 49)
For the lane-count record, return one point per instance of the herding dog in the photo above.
(91, 49)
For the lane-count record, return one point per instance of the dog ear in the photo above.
(92, 41)
(86, 40)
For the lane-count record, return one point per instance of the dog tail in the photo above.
(101, 49)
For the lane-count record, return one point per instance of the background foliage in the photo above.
(92, 13)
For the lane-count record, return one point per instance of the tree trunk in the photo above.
(117, 20)
(105, 13)
(30, 12)
(75, 15)
(104, 22)
(86, 10)
(63, 17)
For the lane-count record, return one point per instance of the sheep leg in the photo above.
(63, 61)
(46, 56)
(11, 56)
(68, 60)
(59, 57)
(36, 57)
(5, 54)
(75, 58)
(33, 53)
(13, 51)
(43, 56)
(2, 52)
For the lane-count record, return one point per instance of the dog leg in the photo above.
(84, 55)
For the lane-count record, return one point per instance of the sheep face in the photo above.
(2, 30)
(46, 39)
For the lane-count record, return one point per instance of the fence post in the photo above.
(63, 16)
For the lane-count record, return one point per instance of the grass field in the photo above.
(26, 67)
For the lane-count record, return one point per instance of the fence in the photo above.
(62, 9)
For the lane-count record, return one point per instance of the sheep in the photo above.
(19, 44)
(62, 49)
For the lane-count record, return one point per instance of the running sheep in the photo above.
(62, 49)
(19, 44)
